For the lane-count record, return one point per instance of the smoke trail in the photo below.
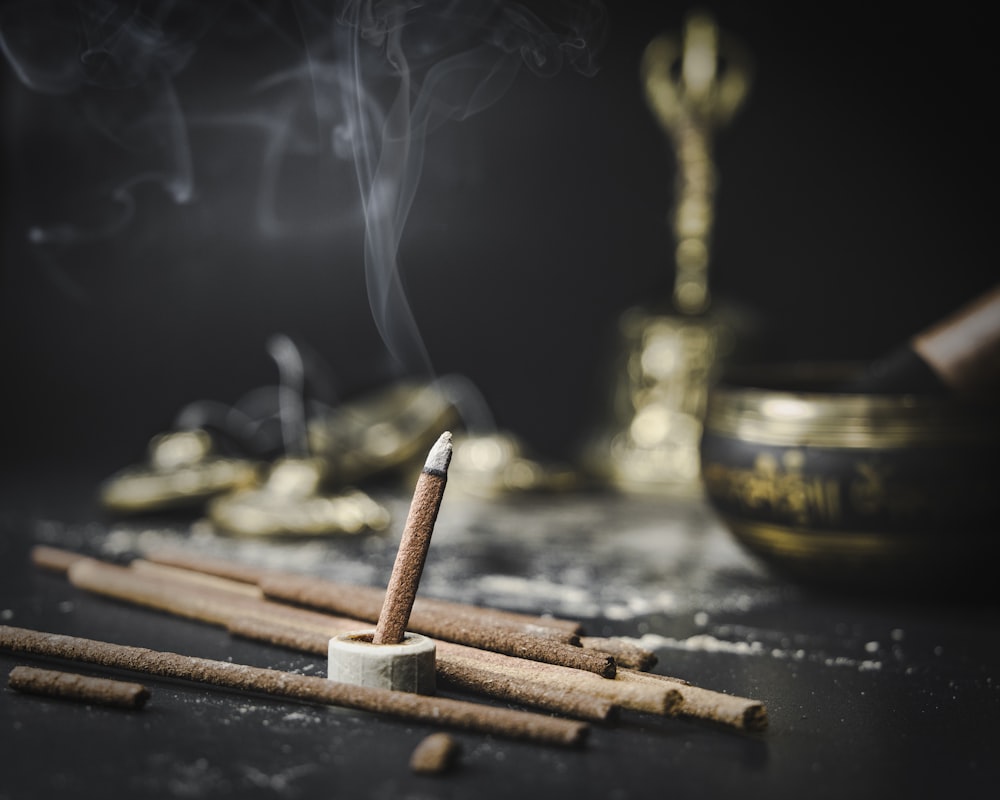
(98, 51)
(368, 83)
(449, 60)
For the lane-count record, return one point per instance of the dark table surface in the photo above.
(866, 697)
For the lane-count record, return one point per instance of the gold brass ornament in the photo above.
(291, 502)
(695, 83)
(182, 470)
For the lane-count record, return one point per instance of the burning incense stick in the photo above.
(418, 708)
(71, 686)
(402, 589)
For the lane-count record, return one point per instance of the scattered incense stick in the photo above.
(216, 604)
(435, 754)
(54, 559)
(333, 596)
(547, 686)
(460, 714)
(514, 685)
(366, 602)
(416, 539)
(197, 579)
(662, 699)
(736, 712)
(83, 688)
(465, 673)
(212, 605)
(222, 567)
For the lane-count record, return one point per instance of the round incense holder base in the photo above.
(405, 667)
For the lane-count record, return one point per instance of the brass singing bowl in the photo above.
(857, 490)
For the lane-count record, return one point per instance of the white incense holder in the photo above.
(406, 667)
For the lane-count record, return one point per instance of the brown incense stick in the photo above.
(212, 605)
(625, 653)
(661, 698)
(345, 598)
(83, 688)
(196, 579)
(366, 602)
(461, 673)
(428, 616)
(403, 582)
(544, 685)
(407, 705)
(736, 712)
(222, 567)
(547, 686)
(54, 559)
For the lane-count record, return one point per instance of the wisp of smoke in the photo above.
(369, 82)
(447, 61)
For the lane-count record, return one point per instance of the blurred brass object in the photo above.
(290, 502)
(381, 431)
(852, 489)
(378, 433)
(694, 84)
(182, 470)
(692, 95)
(496, 464)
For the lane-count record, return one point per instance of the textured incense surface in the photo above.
(439, 618)
(725, 709)
(432, 710)
(310, 631)
(626, 654)
(402, 588)
(83, 688)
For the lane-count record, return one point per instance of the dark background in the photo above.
(854, 209)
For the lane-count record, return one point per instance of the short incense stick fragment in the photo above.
(435, 754)
(416, 539)
(459, 714)
(82, 688)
